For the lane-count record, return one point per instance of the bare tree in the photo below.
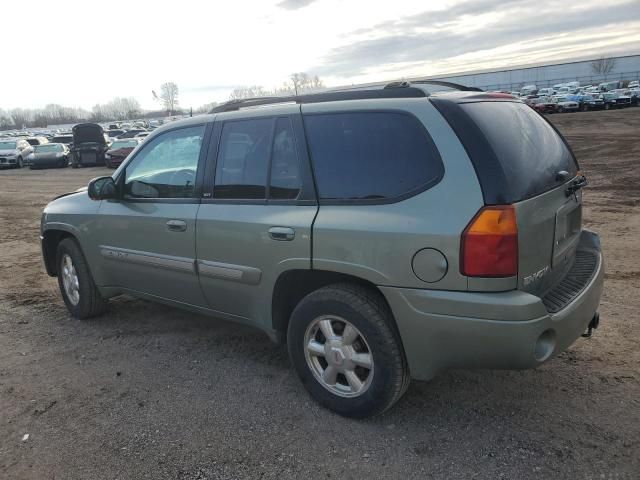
(297, 84)
(603, 65)
(21, 117)
(168, 96)
(248, 92)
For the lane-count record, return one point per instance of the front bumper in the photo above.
(8, 162)
(506, 330)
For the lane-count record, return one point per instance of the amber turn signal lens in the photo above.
(490, 243)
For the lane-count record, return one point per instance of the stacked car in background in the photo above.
(85, 144)
(572, 97)
(90, 144)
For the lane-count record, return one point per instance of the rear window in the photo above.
(529, 150)
(371, 155)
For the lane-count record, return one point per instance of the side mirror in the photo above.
(102, 188)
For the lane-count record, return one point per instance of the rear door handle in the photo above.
(282, 233)
(176, 225)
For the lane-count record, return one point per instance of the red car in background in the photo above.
(544, 105)
(119, 150)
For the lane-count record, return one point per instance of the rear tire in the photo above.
(361, 332)
(607, 106)
(79, 292)
(585, 108)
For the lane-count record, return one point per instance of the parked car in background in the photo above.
(528, 90)
(142, 135)
(587, 101)
(14, 152)
(131, 133)
(634, 93)
(544, 105)
(546, 92)
(89, 145)
(119, 150)
(634, 84)
(113, 134)
(358, 260)
(49, 155)
(608, 86)
(39, 140)
(65, 138)
(615, 100)
(564, 104)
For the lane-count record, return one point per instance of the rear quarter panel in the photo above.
(378, 242)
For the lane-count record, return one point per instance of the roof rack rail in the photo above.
(405, 92)
(442, 83)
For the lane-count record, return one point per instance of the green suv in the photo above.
(383, 234)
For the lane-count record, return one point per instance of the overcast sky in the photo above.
(82, 53)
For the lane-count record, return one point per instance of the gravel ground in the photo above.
(147, 391)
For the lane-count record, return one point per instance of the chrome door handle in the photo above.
(282, 233)
(176, 225)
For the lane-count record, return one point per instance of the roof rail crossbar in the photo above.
(442, 83)
(322, 97)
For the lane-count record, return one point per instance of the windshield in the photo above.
(7, 145)
(48, 148)
(130, 144)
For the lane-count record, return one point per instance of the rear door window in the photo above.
(285, 170)
(360, 156)
(528, 148)
(243, 159)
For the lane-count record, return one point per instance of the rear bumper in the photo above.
(506, 330)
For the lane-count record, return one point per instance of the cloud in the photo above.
(429, 36)
(294, 4)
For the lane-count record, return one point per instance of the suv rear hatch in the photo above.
(522, 160)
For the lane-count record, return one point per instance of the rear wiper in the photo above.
(576, 185)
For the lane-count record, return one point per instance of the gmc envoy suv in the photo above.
(383, 234)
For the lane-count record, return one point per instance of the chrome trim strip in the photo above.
(227, 271)
(170, 262)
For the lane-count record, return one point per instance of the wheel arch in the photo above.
(51, 238)
(293, 285)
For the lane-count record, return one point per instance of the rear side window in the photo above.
(529, 150)
(370, 155)
(255, 154)
(243, 158)
(285, 170)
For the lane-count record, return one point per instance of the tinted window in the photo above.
(285, 171)
(243, 159)
(529, 150)
(370, 155)
(166, 167)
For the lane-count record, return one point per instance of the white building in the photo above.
(624, 68)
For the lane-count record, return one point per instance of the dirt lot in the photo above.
(151, 392)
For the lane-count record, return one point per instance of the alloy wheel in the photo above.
(339, 356)
(70, 280)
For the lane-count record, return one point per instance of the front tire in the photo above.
(344, 346)
(19, 163)
(79, 292)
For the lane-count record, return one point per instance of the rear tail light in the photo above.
(490, 243)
